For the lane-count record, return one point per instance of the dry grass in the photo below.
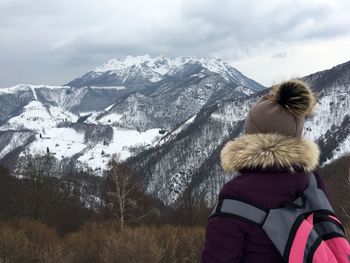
(347, 232)
(105, 243)
(28, 241)
(31, 241)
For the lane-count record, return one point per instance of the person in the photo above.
(273, 161)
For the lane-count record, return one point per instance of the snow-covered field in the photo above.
(64, 142)
(98, 156)
(38, 117)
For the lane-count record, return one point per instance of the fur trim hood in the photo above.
(269, 150)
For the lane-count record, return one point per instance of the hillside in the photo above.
(121, 107)
(189, 156)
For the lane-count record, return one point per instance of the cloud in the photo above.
(301, 59)
(279, 55)
(54, 41)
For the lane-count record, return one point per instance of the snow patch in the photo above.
(22, 87)
(97, 157)
(109, 107)
(244, 90)
(61, 142)
(331, 110)
(109, 87)
(110, 118)
(342, 150)
(18, 139)
(38, 117)
(34, 93)
(172, 134)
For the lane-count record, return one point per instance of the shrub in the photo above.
(32, 241)
(106, 243)
(28, 241)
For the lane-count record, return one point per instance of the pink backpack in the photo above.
(305, 230)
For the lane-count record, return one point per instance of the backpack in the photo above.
(305, 230)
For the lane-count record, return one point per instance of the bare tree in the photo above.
(122, 189)
(192, 208)
(41, 173)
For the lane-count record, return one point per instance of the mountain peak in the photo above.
(159, 64)
(146, 69)
(154, 62)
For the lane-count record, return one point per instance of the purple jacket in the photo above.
(272, 170)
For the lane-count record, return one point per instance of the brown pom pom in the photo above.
(295, 96)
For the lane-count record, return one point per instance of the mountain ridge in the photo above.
(213, 126)
(60, 117)
(154, 69)
(171, 130)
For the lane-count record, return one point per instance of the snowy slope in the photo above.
(126, 105)
(192, 155)
(160, 92)
(51, 126)
(176, 89)
(14, 140)
(331, 109)
(62, 142)
(342, 150)
(98, 156)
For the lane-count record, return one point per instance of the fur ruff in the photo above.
(269, 150)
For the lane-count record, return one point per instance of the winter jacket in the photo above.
(272, 170)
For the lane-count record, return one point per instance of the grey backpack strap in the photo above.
(239, 209)
(244, 210)
(312, 180)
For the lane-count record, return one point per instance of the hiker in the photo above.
(273, 162)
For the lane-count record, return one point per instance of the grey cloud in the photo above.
(67, 37)
(280, 55)
(254, 20)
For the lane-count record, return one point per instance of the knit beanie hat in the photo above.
(282, 111)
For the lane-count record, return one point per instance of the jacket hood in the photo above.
(260, 150)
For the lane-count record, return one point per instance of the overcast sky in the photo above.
(55, 41)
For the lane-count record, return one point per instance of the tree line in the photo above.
(42, 191)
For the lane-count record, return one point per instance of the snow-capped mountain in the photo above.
(162, 92)
(145, 69)
(189, 155)
(173, 114)
(91, 121)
